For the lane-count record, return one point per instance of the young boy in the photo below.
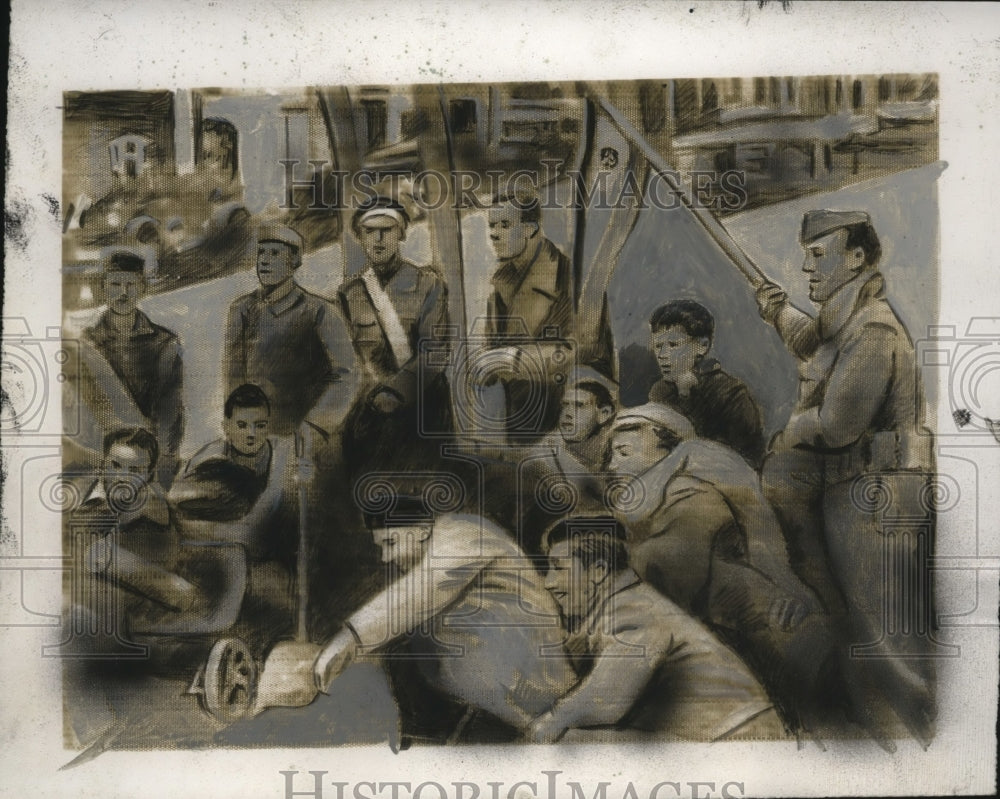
(719, 405)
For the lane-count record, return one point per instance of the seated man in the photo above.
(719, 405)
(702, 533)
(572, 463)
(647, 668)
(240, 489)
(137, 546)
(478, 623)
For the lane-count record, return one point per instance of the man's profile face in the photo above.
(380, 237)
(508, 234)
(677, 353)
(829, 265)
(122, 291)
(569, 583)
(246, 430)
(635, 451)
(126, 469)
(581, 416)
(276, 262)
(403, 546)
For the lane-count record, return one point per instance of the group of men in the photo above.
(702, 584)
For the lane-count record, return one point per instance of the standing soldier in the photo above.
(392, 306)
(292, 344)
(859, 415)
(136, 365)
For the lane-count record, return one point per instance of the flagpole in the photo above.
(706, 218)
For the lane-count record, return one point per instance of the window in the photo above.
(884, 89)
(709, 96)
(734, 95)
(376, 120)
(462, 114)
(760, 91)
(128, 155)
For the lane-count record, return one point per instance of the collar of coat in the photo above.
(713, 462)
(570, 462)
(621, 581)
(405, 276)
(649, 486)
(837, 310)
(534, 270)
(284, 303)
(154, 507)
(105, 331)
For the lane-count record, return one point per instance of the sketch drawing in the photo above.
(525, 413)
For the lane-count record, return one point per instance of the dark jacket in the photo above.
(532, 299)
(705, 536)
(148, 364)
(721, 409)
(273, 506)
(535, 297)
(298, 349)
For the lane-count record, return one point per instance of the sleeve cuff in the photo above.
(369, 625)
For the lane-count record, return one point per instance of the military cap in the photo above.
(587, 374)
(821, 223)
(281, 233)
(122, 259)
(659, 415)
(385, 207)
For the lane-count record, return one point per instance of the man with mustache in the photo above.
(144, 360)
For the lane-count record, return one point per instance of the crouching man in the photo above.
(701, 532)
(472, 615)
(648, 670)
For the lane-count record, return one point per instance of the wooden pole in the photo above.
(706, 218)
